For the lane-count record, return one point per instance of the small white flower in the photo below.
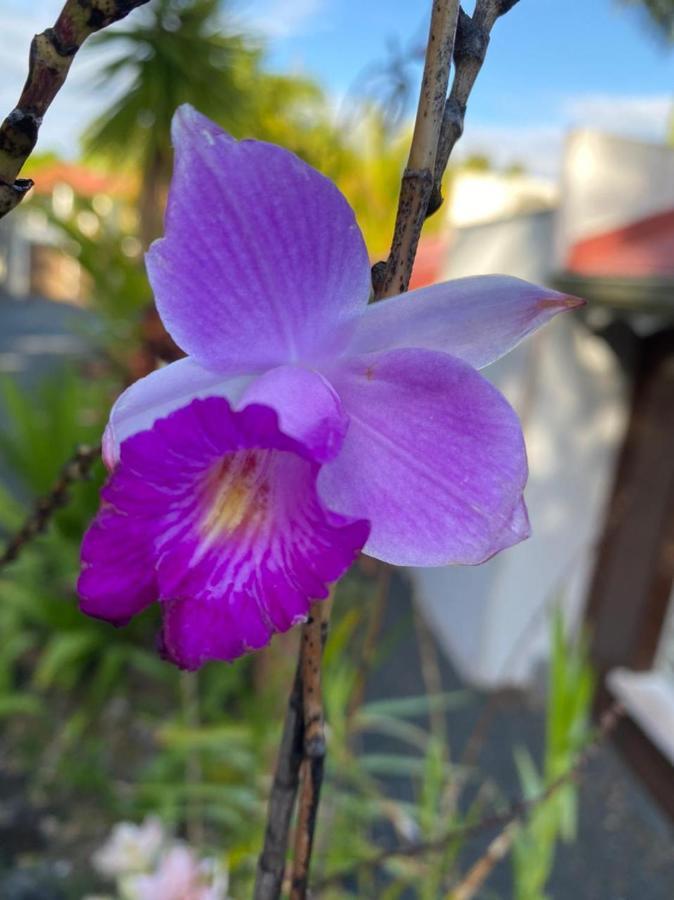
(131, 848)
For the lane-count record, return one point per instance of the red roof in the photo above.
(642, 249)
(84, 181)
(428, 265)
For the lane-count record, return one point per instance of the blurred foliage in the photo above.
(568, 721)
(101, 723)
(92, 717)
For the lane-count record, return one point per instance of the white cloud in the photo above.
(286, 18)
(540, 147)
(78, 101)
(537, 147)
(634, 115)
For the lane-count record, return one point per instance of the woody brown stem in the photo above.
(76, 469)
(393, 276)
(50, 58)
(314, 634)
(303, 741)
(470, 49)
(271, 864)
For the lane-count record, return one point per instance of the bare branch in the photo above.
(393, 276)
(303, 741)
(390, 277)
(470, 48)
(76, 469)
(314, 634)
(515, 812)
(51, 54)
(271, 864)
(480, 871)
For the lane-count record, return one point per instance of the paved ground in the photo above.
(625, 848)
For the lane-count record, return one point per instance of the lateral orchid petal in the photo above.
(477, 319)
(434, 458)
(262, 261)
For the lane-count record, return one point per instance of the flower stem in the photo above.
(314, 635)
(393, 276)
(271, 864)
(51, 54)
(78, 468)
(302, 747)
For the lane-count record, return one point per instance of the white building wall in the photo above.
(565, 383)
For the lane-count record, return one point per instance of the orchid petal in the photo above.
(117, 580)
(159, 393)
(476, 319)
(262, 261)
(307, 406)
(240, 543)
(434, 458)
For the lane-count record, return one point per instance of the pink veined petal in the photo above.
(476, 319)
(434, 457)
(233, 530)
(262, 261)
(159, 393)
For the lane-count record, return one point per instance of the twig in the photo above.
(314, 634)
(271, 864)
(393, 276)
(76, 469)
(480, 871)
(303, 705)
(516, 811)
(51, 54)
(470, 48)
(388, 277)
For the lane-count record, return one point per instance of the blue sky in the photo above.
(551, 64)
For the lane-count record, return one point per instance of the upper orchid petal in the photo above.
(434, 458)
(262, 261)
(236, 538)
(477, 319)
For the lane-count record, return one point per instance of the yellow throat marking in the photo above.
(236, 492)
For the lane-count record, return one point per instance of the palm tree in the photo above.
(175, 51)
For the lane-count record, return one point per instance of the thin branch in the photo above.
(271, 864)
(516, 811)
(478, 873)
(388, 277)
(294, 750)
(393, 276)
(51, 55)
(314, 634)
(76, 469)
(470, 48)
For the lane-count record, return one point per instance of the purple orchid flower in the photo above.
(304, 425)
